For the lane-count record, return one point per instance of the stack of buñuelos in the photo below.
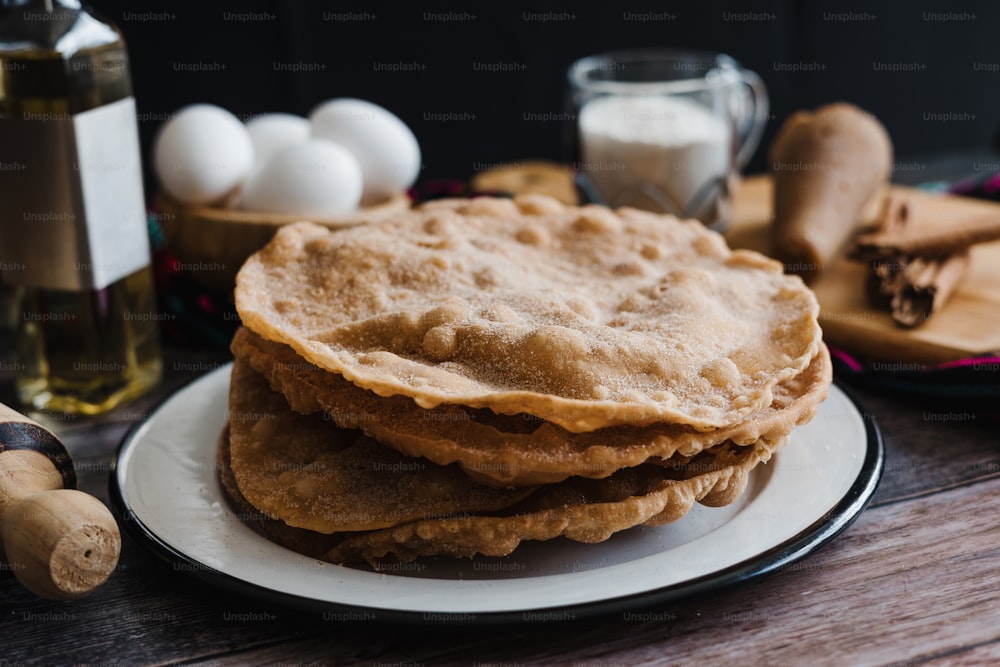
(478, 372)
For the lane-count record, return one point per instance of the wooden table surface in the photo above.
(915, 580)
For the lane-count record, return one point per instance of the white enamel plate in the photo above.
(165, 490)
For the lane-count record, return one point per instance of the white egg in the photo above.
(314, 179)
(384, 146)
(202, 153)
(270, 132)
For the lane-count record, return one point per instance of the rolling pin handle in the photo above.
(60, 543)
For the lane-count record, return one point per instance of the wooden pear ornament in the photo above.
(827, 164)
(60, 543)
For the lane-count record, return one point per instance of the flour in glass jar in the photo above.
(655, 152)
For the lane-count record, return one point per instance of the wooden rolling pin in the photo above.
(60, 543)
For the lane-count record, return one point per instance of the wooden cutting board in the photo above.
(969, 325)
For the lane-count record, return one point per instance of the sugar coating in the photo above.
(581, 510)
(310, 474)
(517, 450)
(602, 318)
(341, 497)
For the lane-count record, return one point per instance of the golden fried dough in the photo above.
(585, 510)
(311, 474)
(581, 316)
(515, 450)
(303, 541)
(596, 509)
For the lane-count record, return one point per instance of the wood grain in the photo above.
(894, 588)
(925, 454)
(966, 326)
(913, 581)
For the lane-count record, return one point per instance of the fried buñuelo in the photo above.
(474, 373)
(337, 495)
(581, 316)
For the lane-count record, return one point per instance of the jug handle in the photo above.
(752, 131)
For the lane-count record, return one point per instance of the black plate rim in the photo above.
(818, 534)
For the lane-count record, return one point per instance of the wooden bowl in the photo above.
(211, 243)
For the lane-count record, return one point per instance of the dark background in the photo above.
(942, 98)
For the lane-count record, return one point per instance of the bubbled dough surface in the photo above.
(313, 476)
(309, 473)
(486, 447)
(581, 316)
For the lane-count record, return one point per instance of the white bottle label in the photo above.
(73, 214)
(107, 145)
